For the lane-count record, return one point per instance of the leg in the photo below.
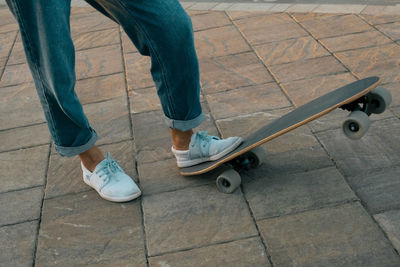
(45, 32)
(162, 30)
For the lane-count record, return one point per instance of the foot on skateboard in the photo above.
(204, 147)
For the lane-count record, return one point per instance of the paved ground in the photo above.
(320, 199)
(360, 2)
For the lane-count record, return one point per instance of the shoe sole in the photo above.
(121, 199)
(212, 158)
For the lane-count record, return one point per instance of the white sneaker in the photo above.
(204, 147)
(111, 182)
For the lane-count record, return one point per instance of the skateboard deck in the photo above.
(347, 97)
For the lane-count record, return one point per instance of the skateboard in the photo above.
(361, 98)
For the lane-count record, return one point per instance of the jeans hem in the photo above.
(73, 151)
(185, 125)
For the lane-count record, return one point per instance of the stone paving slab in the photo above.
(221, 41)
(18, 138)
(291, 50)
(89, 64)
(96, 39)
(239, 102)
(385, 60)
(20, 206)
(15, 75)
(22, 106)
(393, 88)
(7, 40)
(210, 20)
(138, 71)
(194, 217)
(82, 229)
(379, 190)
(110, 119)
(269, 28)
(249, 251)
(82, 23)
(331, 26)
(380, 19)
(355, 41)
(18, 242)
(163, 176)
(17, 55)
(231, 72)
(107, 87)
(34, 162)
(391, 30)
(274, 195)
(303, 69)
(390, 222)
(303, 91)
(341, 236)
(396, 111)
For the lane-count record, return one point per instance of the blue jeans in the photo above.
(160, 29)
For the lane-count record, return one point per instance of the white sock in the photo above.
(180, 154)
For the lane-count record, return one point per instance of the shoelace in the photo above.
(110, 167)
(204, 138)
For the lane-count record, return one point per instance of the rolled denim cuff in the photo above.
(73, 151)
(185, 125)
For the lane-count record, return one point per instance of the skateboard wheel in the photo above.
(378, 100)
(256, 157)
(228, 181)
(356, 125)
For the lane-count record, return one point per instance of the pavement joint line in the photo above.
(41, 205)
(21, 189)
(16, 223)
(240, 87)
(143, 230)
(211, 182)
(23, 147)
(325, 206)
(9, 54)
(253, 218)
(70, 194)
(22, 126)
(131, 130)
(381, 212)
(203, 246)
(128, 100)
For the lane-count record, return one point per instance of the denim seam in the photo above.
(157, 58)
(28, 44)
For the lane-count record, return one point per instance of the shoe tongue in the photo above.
(103, 163)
